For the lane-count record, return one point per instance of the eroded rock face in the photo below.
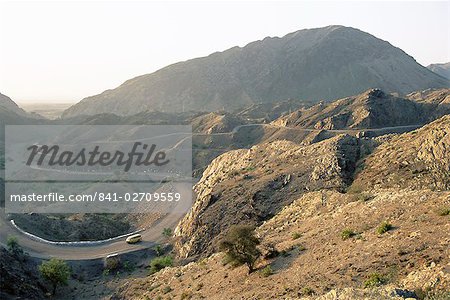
(372, 109)
(252, 185)
(419, 159)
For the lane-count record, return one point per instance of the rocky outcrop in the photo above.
(312, 64)
(372, 109)
(252, 185)
(419, 159)
(215, 123)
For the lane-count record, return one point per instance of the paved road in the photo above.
(150, 235)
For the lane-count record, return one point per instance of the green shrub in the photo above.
(267, 271)
(296, 235)
(384, 227)
(56, 271)
(186, 295)
(240, 245)
(444, 211)
(167, 289)
(347, 233)
(160, 263)
(355, 189)
(167, 232)
(374, 280)
(158, 249)
(128, 266)
(13, 245)
(307, 291)
(363, 197)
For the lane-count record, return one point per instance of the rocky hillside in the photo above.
(313, 64)
(19, 278)
(316, 262)
(386, 237)
(441, 69)
(7, 104)
(415, 160)
(371, 109)
(11, 113)
(215, 122)
(252, 185)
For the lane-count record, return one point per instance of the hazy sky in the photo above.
(65, 51)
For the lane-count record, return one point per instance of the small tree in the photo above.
(240, 244)
(158, 249)
(167, 232)
(56, 271)
(13, 245)
(160, 263)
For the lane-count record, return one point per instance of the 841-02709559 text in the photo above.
(96, 196)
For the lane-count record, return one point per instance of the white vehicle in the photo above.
(135, 238)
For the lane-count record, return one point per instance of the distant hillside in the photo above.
(12, 114)
(312, 64)
(372, 109)
(441, 69)
(415, 160)
(6, 104)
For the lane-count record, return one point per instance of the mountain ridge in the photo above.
(310, 64)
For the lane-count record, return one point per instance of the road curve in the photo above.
(150, 236)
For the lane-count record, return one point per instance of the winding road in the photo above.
(150, 236)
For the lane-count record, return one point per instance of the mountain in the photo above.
(11, 113)
(372, 109)
(6, 104)
(441, 69)
(252, 185)
(311, 64)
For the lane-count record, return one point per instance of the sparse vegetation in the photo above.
(186, 295)
(364, 197)
(158, 249)
(160, 263)
(374, 280)
(347, 233)
(167, 232)
(13, 245)
(355, 189)
(267, 271)
(167, 289)
(240, 245)
(128, 266)
(56, 271)
(307, 291)
(444, 211)
(296, 235)
(384, 227)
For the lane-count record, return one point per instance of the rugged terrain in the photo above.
(372, 109)
(303, 186)
(19, 278)
(441, 69)
(324, 229)
(252, 185)
(312, 64)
